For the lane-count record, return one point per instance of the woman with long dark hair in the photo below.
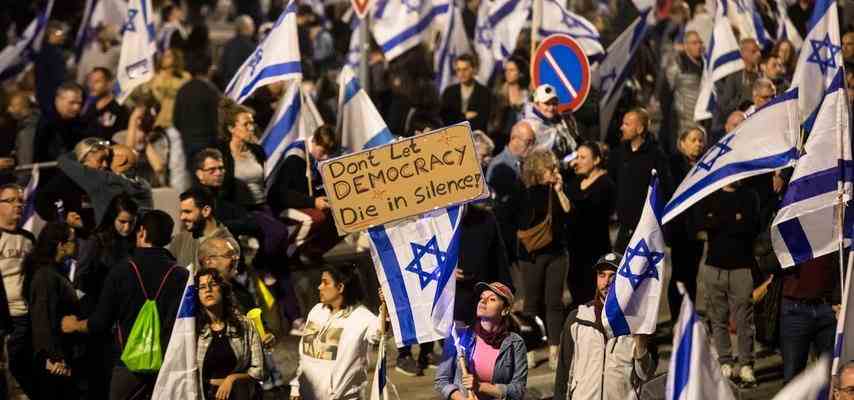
(229, 353)
(50, 297)
(494, 357)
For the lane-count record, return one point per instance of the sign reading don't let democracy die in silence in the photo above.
(408, 177)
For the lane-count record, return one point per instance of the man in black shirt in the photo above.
(61, 127)
(467, 100)
(102, 113)
(127, 287)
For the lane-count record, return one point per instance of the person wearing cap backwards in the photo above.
(496, 365)
(555, 132)
(593, 365)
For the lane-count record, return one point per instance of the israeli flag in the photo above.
(179, 375)
(98, 13)
(28, 219)
(15, 57)
(819, 60)
(611, 75)
(359, 122)
(557, 20)
(807, 225)
(499, 23)
(694, 372)
(415, 262)
(380, 383)
(745, 16)
(785, 27)
(399, 25)
(843, 349)
(765, 142)
(812, 384)
(136, 62)
(722, 58)
(454, 43)
(277, 58)
(295, 120)
(354, 51)
(635, 295)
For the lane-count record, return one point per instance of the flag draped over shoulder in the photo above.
(722, 58)
(399, 25)
(136, 62)
(765, 142)
(496, 32)
(359, 122)
(178, 377)
(611, 75)
(694, 372)
(454, 43)
(808, 225)
(557, 20)
(277, 58)
(415, 262)
(15, 57)
(635, 295)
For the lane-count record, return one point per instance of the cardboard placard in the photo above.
(408, 177)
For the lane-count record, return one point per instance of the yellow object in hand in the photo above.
(254, 315)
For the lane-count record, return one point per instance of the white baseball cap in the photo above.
(544, 93)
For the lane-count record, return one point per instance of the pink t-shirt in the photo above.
(484, 360)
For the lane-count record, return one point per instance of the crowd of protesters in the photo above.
(71, 295)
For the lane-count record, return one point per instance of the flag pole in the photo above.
(364, 36)
(536, 22)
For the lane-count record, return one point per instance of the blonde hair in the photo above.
(89, 145)
(535, 165)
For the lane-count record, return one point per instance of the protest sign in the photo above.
(408, 177)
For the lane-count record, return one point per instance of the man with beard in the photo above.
(197, 218)
(593, 365)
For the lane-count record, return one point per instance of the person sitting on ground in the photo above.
(496, 365)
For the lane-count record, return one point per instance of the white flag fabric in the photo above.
(136, 62)
(611, 75)
(399, 25)
(557, 20)
(785, 27)
(98, 13)
(454, 43)
(843, 349)
(380, 383)
(179, 375)
(28, 218)
(354, 51)
(277, 58)
(812, 384)
(499, 23)
(295, 120)
(694, 372)
(745, 16)
(722, 58)
(807, 226)
(359, 122)
(15, 57)
(819, 59)
(765, 142)
(415, 262)
(635, 295)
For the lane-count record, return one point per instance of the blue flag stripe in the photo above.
(616, 318)
(187, 309)
(397, 286)
(384, 136)
(351, 90)
(414, 30)
(282, 126)
(271, 71)
(816, 184)
(796, 240)
(820, 8)
(453, 255)
(683, 357)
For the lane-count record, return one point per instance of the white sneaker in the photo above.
(746, 375)
(726, 371)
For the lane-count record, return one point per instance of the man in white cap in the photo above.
(554, 131)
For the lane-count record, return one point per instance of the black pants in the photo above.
(686, 256)
(19, 345)
(543, 282)
(126, 385)
(51, 386)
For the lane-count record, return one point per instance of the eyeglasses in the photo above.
(13, 201)
(210, 286)
(225, 256)
(213, 169)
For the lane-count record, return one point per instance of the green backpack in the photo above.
(142, 352)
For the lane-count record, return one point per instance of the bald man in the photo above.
(843, 382)
(505, 179)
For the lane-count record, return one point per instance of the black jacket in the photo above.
(234, 53)
(122, 297)
(195, 113)
(732, 222)
(290, 188)
(51, 297)
(480, 102)
(632, 171)
(55, 136)
(74, 199)
(230, 185)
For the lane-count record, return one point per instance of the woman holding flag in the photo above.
(485, 360)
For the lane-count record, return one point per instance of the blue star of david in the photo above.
(712, 156)
(419, 251)
(816, 56)
(568, 20)
(412, 5)
(648, 271)
(129, 26)
(256, 59)
(484, 36)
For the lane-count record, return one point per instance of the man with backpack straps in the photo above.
(149, 274)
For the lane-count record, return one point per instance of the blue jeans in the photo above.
(803, 325)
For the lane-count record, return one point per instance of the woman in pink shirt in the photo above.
(495, 361)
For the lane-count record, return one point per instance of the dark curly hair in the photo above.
(229, 312)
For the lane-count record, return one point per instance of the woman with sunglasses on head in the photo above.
(494, 363)
(50, 297)
(229, 352)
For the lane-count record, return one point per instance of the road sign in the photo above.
(560, 62)
(361, 7)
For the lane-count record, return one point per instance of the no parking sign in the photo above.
(559, 61)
